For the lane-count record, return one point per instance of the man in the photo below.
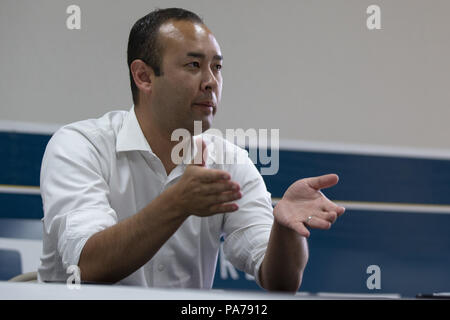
(118, 206)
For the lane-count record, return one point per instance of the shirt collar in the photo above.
(189, 156)
(130, 136)
(210, 147)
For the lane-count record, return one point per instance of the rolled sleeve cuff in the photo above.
(257, 267)
(80, 226)
(72, 251)
(246, 252)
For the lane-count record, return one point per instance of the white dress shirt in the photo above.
(98, 172)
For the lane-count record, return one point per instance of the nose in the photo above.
(209, 81)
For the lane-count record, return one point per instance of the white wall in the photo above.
(310, 68)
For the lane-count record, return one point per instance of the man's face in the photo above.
(190, 86)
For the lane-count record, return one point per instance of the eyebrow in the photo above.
(202, 56)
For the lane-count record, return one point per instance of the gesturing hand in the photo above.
(202, 191)
(303, 205)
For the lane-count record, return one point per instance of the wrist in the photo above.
(173, 204)
(283, 230)
(277, 208)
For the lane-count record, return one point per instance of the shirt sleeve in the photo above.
(74, 191)
(247, 230)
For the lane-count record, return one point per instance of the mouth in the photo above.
(207, 106)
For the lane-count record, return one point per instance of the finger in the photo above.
(202, 153)
(340, 211)
(212, 175)
(329, 216)
(318, 223)
(331, 206)
(223, 208)
(322, 182)
(301, 229)
(219, 187)
(224, 197)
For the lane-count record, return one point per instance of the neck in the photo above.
(157, 136)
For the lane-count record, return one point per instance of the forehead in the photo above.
(179, 37)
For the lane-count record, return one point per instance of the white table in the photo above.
(47, 291)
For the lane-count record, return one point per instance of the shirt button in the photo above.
(161, 267)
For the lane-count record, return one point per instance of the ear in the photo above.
(142, 75)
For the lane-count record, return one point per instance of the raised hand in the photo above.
(304, 205)
(202, 191)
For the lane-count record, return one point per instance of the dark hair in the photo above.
(143, 40)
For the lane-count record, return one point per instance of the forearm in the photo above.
(118, 251)
(285, 260)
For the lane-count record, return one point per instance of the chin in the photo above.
(196, 130)
(206, 125)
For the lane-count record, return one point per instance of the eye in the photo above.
(218, 67)
(194, 64)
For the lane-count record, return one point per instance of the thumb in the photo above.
(322, 182)
(201, 154)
